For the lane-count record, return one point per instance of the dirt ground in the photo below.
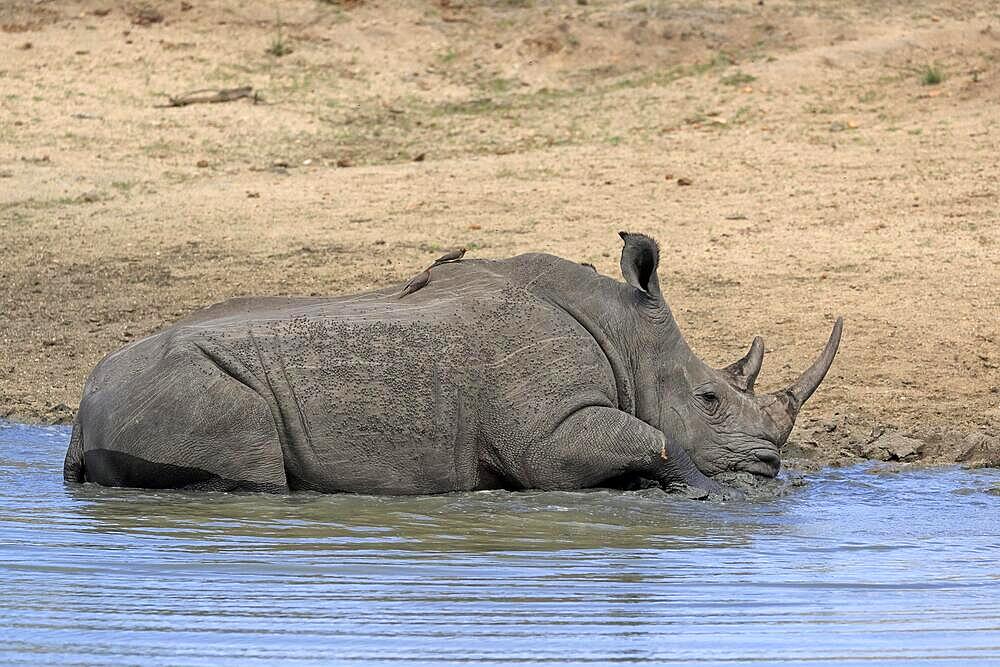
(796, 161)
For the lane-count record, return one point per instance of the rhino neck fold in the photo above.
(621, 368)
(630, 339)
(660, 360)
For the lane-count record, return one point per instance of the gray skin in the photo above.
(530, 372)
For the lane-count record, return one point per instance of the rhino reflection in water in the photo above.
(530, 372)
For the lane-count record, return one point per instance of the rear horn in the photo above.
(745, 371)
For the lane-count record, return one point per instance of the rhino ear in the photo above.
(640, 259)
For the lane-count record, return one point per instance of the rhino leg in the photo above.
(598, 443)
(181, 423)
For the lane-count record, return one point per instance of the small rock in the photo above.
(90, 197)
(60, 414)
(280, 164)
(307, 162)
(186, 6)
(420, 158)
(684, 181)
(25, 46)
(201, 164)
(884, 469)
(380, 242)
(893, 447)
(344, 162)
(252, 194)
(102, 11)
(979, 450)
(147, 16)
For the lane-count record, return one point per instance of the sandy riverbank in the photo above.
(828, 171)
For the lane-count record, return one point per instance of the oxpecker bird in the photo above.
(416, 282)
(452, 256)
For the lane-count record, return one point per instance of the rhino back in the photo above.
(372, 393)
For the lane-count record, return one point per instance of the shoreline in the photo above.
(813, 447)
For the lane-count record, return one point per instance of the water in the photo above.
(855, 567)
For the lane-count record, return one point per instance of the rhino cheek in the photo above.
(714, 458)
(699, 446)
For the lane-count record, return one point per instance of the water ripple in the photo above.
(854, 568)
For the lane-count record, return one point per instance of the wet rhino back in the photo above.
(362, 405)
(371, 393)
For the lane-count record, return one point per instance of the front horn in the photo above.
(803, 388)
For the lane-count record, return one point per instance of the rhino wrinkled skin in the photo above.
(529, 372)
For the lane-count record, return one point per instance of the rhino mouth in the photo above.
(762, 463)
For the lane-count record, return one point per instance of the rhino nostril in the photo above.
(769, 457)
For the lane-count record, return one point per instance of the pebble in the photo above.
(893, 447)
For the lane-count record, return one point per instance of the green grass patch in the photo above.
(500, 85)
(932, 75)
(738, 78)
(279, 46)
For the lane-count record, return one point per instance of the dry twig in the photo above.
(212, 96)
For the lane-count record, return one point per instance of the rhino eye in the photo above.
(710, 401)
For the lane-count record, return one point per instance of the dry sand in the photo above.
(828, 174)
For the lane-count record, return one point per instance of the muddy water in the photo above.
(854, 567)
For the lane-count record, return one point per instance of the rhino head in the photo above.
(713, 413)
